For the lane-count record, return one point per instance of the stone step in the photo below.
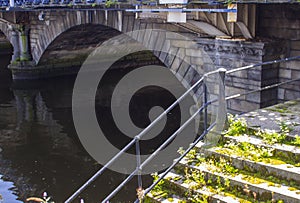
(280, 150)
(282, 171)
(174, 183)
(263, 191)
(158, 199)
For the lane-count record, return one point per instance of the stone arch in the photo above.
(6, 36)
(56, 22)
(72, 46)
(5, 31)
(6, 48)
(112, 22)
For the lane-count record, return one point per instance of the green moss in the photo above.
(253, 180)
(5, 46)
(292, 189)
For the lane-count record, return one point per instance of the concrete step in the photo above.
(280, 150)
(263, 191)
(282, 171)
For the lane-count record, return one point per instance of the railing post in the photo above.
(222, 106)
(139, 189)
(213, 137)
(204, 103)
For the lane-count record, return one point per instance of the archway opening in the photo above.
(6, 52)
(72, 47)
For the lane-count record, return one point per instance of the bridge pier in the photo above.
(15, 44)
(24, 44)
(21, 59)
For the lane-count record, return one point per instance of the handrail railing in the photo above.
(140, 135)
(220, 113)
(222, 97)
(258, 65)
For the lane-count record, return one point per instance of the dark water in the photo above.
(40, 150)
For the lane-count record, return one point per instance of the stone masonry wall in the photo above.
(282, 21)
(231, 54)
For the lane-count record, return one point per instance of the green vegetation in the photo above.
(109, 3)
(296, 141)
(237, 127)
(222, 170)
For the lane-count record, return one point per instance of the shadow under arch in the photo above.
(72, 46)
(6, 52)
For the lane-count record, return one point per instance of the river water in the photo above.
(39, 148)
(40, 151)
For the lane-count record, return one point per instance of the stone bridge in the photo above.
(55, 38)
(52, 42)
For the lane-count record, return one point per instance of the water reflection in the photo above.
(40, 150)
(40, 147)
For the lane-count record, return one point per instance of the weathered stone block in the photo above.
(176, 64)
(233, 91)
(184, 44)
(295, 44)
(254, 97)
(197, 61)
(285, 73)
(293, 65)
(193, 52)
(291, 95)
(242, 106)
(281, 93)
(182, 69)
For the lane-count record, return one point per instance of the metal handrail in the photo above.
(177, 161)
(293, 58)
(138, 137)
(140, 168)
(204, 106)
(226, 98)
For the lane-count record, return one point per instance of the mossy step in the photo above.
(271, 117)
(263, 191)
(282, 171)
(280, 150)
(158, 199)
(175, 183)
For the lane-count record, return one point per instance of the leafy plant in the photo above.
(237, 126)
(109, 3)
(271, 136)
(159, 185)
(296, 141)
(285, 128)
(198, 198)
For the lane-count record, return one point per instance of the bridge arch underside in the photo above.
(67, 52)
(74, 45)
(5, 45)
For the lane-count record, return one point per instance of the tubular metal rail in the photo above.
(203, 109)
(136, 139)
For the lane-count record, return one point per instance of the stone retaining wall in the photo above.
(231, 54)
(282, 21)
